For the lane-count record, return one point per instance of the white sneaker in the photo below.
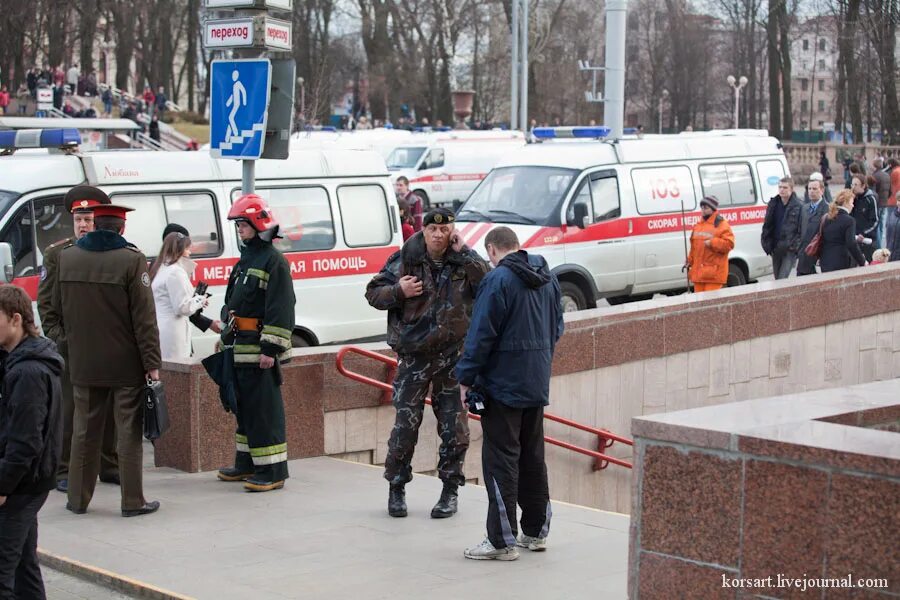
(486, 551)
(535, 544)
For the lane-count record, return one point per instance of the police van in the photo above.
(337, 210)
(446, 167)
(612, 218)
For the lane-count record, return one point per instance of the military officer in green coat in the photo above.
(259, 310)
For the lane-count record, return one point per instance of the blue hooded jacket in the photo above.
(515, 325)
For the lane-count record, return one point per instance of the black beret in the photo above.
(175, 228)
(83, 197)
(439, 216)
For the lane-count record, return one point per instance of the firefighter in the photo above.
(259, 312)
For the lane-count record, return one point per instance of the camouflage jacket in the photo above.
(438, 319)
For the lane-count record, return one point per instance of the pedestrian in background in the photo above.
(173, 294)
(4, 100)
(711, 242)
(816, 176)
(882, 189)
(840, 249)
(865, 213)
(109, 320)
(413, 201)
(892, 230)
(30, 440)
(428, 289)
(814, 210)
(516, 323)
(781, 229)
(406, 226)
(79, 202)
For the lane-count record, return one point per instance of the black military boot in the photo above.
(397, 500)
(447, 504)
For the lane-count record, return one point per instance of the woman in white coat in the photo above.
(174, 295)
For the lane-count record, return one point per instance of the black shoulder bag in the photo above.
(156, 412)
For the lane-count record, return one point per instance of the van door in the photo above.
(432, 178)
(601, 246)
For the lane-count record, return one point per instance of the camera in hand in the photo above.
(200, 290)
(476, 401)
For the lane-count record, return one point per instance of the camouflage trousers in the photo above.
(414, 376)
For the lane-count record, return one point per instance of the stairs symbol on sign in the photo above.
(246, 135)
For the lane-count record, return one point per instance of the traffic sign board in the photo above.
(260, 31)
(239, 102)
(280, 4)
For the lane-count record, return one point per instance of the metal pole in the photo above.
(514, 68)
(248, 176)
(523, 114)
(614, 88)
(660, 115)
(737, 92)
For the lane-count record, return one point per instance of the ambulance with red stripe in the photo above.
(337, 210)
(446, 167)
(611, 217)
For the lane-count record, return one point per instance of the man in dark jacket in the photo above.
(814, 210)
(781, 230)
(109, 319)
(883, 193)
(507, 358)
(30, 434)
(80, 202)
(428, 289)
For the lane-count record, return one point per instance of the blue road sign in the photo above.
(239, 98)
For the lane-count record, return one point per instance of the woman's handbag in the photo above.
(156, 412)
(814, 248)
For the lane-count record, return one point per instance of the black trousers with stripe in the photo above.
(512, 459)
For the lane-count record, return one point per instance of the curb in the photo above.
(107, 579)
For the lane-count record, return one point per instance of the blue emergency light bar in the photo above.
(420, 129)
(549, 133)
(39, 138)
(327, 128)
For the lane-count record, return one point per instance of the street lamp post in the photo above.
(663, 96)
(737, 84)
(301, 82)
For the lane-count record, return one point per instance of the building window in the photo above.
(806, 44)
(821, 63)
(821, 85)
(804, 106)
(822, 44)
(821, 106)
(804, 84)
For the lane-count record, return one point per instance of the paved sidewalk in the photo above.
(327, 535)
(60, 586)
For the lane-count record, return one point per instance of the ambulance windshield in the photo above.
(404, 158)
(6, 200)
(527, 195)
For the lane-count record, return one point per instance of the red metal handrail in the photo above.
(605, 438)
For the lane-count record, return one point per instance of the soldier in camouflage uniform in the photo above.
(428, 289)
(80, 202)
(259, 307)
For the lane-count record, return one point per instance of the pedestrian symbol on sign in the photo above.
(235, 102)
(239, 103)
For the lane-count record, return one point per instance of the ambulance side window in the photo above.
(304, 216)
(195, 211)
(582, 196)
(434, 160)
(18, 232)
(605, 191)
(731, 184)
(365, 214)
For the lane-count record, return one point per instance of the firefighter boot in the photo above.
(446, 505)
(233, 474)
(397, 500)
(254, 484)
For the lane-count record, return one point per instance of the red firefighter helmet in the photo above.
(255, 211)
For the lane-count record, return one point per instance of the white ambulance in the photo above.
(612, 217)
(446, 167)
(337, 210)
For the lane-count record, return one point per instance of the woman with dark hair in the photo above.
(839, 246)
(171, 274)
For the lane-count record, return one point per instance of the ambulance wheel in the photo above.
(298, 341)
(426, 203)
(572, 297)
(736, 275)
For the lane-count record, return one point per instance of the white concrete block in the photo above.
(834, 340)
(361, 427)
(884, 323)
(654, 385)
(867, 366)
(698, 368)
(759, 357)
(335, 432)
(867, 328)
(740, 362)
(780, 355)
(719, 372)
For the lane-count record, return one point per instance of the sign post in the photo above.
(241, 89)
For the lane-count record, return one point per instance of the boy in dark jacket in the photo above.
(781, 230)
(508, 352)
(30, 434)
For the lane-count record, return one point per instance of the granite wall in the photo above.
(611, 365)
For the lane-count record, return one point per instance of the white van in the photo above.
(381, 140)
(607, 215)
(445, 167)
(337, 210)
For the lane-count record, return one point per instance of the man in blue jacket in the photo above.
(516, 323)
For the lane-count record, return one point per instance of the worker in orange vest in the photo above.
(711, 241)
